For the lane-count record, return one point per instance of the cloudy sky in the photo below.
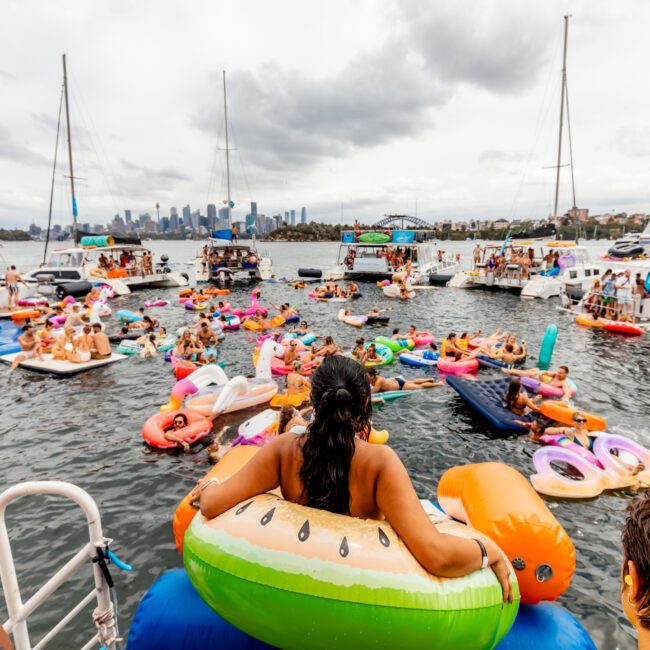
(361, 107)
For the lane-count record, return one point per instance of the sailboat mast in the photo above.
(225, 114)
(67, 119)
(559, 143)
(56, 151)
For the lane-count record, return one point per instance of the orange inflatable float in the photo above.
(588, 321)
(498, 501)
(216, 292)
(230, 464)
(24, 314)
(563, 413)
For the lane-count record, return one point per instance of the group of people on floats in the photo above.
(333, 290)
(616, 296)
(64, 345)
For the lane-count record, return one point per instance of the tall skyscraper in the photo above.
(254, 209)
(293, 217)
(212, 216)
(223, 218)
(303, 215)
(173, 220)
(127, 216)
(286, 217)
(187, 221)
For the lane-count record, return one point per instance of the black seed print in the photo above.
(344, 549)
(267, 517)
(383, 538)
(242, 508)
(303, 533)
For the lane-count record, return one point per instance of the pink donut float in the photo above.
(450, 366)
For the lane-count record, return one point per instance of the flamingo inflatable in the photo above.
(226, 395)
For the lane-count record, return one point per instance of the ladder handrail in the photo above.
(19, 611)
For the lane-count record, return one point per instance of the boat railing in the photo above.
(95, 552)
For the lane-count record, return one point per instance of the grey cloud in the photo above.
(286, 120)
(499, 47)
(17, 152)
(162, 174)
(496, 155)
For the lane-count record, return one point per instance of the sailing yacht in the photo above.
(220, 259)
(123, 265)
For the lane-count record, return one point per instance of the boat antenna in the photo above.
(67, 119)
(559, 143)
(56, 149)
(225, 115)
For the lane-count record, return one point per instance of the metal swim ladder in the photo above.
(95, 551)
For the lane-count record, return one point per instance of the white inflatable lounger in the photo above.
(62, 368)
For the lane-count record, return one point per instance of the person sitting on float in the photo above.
(516, 399)
(331, 467)
(179, 422)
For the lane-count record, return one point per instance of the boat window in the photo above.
(573, 275)
(587, 273)
(596, 271)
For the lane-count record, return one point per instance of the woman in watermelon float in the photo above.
(332, 467)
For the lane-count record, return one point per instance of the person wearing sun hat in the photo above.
(624, 295)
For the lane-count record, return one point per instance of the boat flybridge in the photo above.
(122, 266)
(533, 269)
(223, 261)
(380, 254)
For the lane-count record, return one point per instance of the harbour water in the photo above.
(86, 429)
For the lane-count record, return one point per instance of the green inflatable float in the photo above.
(374, 238)
(296, 577)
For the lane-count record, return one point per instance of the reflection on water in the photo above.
(86, 429)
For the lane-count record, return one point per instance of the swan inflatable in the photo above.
(214, 394)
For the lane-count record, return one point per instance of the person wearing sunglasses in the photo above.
(178, 423)
(302, 329)
(635, 571)
(577, 433)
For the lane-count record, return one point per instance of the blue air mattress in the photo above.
(487, 398)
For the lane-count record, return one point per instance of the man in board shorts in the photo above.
(101, 346)
(12, 278)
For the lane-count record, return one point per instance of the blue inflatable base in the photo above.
(171, 615)
(487, 398)
(546, 627)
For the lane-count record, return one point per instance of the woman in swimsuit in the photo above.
(84, 344)
(180, 422)
(517, 401)
(331, 467)
(578, 433)
(296, 383)
(381, 384)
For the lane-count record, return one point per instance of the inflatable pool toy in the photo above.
(279, 368)
(24, 314)
(384, 352)
(420, 358)
(378, 437)
(563, 413)
(128, 316)
(487, 398)
(350, 319)
(394, 291)
(267, 556)
(229, 465)
(498, 501)
(189, 623)
(545, 389)
(618, 459)
(485, 360)
(156, 303)
(450, 366)
(192, 306)
(383, 283)
(306, 339)
(566, 443)
(423, 339)
(378, 320)
(232, 323)
(548, 345)
(31, 301)
(374, 238)
(235, 394)
(130, 347)
(294, 399)
(216, 292)
(254, 326)
(616, 327)
(153, 430)
(395, 345)
(390, 395)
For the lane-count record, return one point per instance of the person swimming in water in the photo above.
(331, 467)
(178, 423)
(558, 378)
(516, 399)
(381, 384)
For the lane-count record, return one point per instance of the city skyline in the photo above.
(453, 127)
